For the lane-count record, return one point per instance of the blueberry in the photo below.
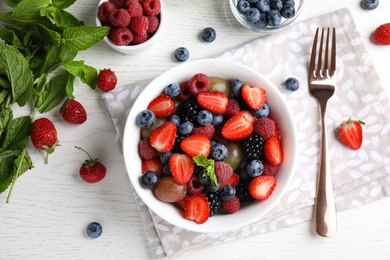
(164, 157)
(208, 34)
(274, 18)
(252, 15)
(263, 21)
(211, 188)
(149, 179)
(242, 170)
(288, 2)
(243, 6)
(176, 120)
(262, 112)
(182, 54)
(146, 118)
(276, 5)
(204, 117)
(172, 90)
(227, 192)
(370, 4)
(255, 168)
(252, 1)
(264, 6)
(236, 86)
(287, 11)
(217, 119)
(291, 84)
(219, 152)
(94, 230)
(166, 170)
(186, 128)
(205, 180)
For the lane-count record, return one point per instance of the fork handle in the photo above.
(324, 209)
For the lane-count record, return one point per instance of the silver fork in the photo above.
(322, 86)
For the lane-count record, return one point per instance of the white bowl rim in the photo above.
(219, 222)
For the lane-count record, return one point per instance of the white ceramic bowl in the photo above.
(227, 70)
(134, 49)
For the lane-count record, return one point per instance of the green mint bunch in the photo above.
(39, 41)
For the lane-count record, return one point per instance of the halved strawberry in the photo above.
(183, 201)
(163, 137)
(261, 187)
(239, 126)
(214, 101)
(195, 145)
(273, 151)
(351, 133)
(254, 97)
(153, 164)
(233, 180)
(197, 208)
(182, 167)
(162, 105)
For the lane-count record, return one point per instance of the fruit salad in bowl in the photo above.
(210, 146)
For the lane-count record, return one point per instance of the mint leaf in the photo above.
(30, 7)
(49, 36)
(5, 118)
(83, 37)
(6, 172)
(16, 135)
(10, 37)
(12, 3)
(53, 94)
(69, 20)
(62, 4)
(208, 168)
(87, 74)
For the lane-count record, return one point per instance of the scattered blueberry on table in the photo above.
(94, 230)
(370, 4)
(291, 84)
(182, 54)
(208, 34)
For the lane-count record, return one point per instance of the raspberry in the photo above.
(106, 80)
(73, 112)
(232, 205)
(139, 24)
(104, 11)
(264, 127)
(199, 83)
(145, 150)
(207, 130)
(269, 169)
(185, 94)
(381, 35)
(119, 18)
(118, 3)
(223, 171)
(121, 36)
(233, 108)
(152, 7)
(153, 24)
(134, 8)
(194, 186)
(138, 38)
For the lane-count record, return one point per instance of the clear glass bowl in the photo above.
(269, 29)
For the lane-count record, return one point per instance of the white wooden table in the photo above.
(51, 206)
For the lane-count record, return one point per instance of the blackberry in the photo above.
(242, 192)
(253, 146)
(214, 201)
(189, 110)
(179, 138)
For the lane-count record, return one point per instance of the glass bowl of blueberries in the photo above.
(266, 16)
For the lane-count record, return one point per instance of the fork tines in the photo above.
(322, 69)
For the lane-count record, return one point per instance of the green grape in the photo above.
(234, 154)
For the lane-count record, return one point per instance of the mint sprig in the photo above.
(208, 166)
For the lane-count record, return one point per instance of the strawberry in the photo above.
(73, 112)
(381, 35)
(153, 164)
(195, 145)
(163, 137)
(239, 126)
(197, 208)
(182, 167)
(106, 80)
(254, 97)
(91, 170)
(44, 136)
(261, 187)
(351, 133)
(214, 101)
(162, 105)
(183, 201)
(273, 151)
(233, 180)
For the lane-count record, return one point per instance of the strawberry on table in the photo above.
(162, 105)
(261, 187)
(73, 112)
(351, 133)
(197, 208)
(214, 101)
(163, 137)
(195, 145)
(182, 167)
(381, 35)
(44, 136)
(239, 126)
(106, 80)
(254, 97)
(91, 170)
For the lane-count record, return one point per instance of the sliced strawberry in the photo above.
(273, 151)
(162, 105)
(233, 180)
(195, 145)
(183, 201)
(351, 133)
(182, 167)
(239, 126)
(254, 97)
(163, 137)
(261, 187)
(197, 208)
(214, 101)
(153, 164)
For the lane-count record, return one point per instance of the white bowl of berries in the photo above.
(210, 146)
(134, 25)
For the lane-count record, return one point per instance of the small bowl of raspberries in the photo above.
(135, 25)
(210, 146)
